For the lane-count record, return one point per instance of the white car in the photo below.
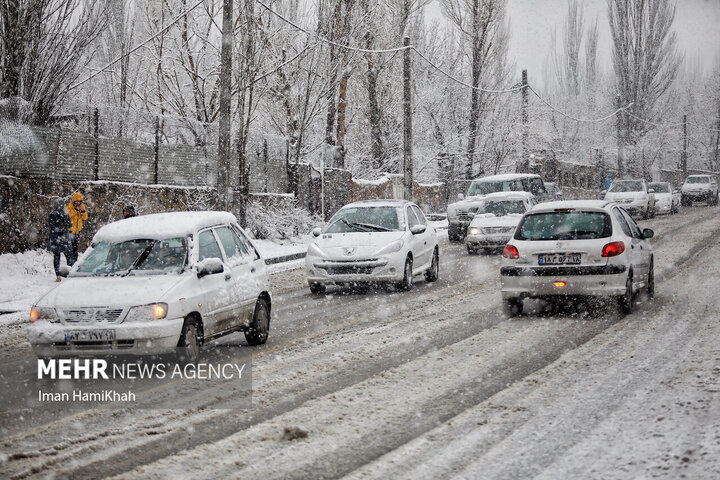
(700, 187)
(373, 242)
(667, 199)
(156, 284)
(577, 248)
(496, 219)
(635, 196)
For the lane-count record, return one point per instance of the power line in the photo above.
(582, 120)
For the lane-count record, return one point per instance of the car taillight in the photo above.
(613, 249)
(510, 252)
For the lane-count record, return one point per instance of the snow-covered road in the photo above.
(434, 383)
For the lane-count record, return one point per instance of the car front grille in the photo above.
(349, 270)
(92, 315)
(494, 230)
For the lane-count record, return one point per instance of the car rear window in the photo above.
(626, 186)
(568, 225)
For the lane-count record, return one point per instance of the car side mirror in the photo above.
(651, 190)
(461, 196)
(648, 233)
(417, 229)
(316, 231)
(209, 266)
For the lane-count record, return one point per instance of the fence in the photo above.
(67, 155)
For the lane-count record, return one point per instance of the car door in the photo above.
(426, 243)
(240, 264)
(640, 251)
(214, 290)
(414, 240)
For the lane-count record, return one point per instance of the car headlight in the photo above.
(475, 231)
(141, 313)
(314, 251)
(395, 246)
(43, 313)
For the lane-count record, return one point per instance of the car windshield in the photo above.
(485, 187)
(570, 225)
(365, 219)
(698, 180)
(501, 208)
(628, 186)
(660, 187)
(138, 256)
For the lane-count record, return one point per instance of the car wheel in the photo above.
(406, 284)
(625, 301)
(432, 273)
(257, 332)
(646, 215)
(651, 280)
(472, 250)
(513, 306)
(188, 349)
(683, 201)
(317, 289)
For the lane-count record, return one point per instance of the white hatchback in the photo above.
(577, 248)
(156, 284)
(373, 242)
(496, 219)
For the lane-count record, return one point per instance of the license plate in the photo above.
(104, 335)
(559, 259)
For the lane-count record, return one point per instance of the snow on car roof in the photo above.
(378, 203)
(161, 225)
(508, 196)
(506, 176)
(595, 205)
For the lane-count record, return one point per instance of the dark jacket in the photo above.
(59, 223)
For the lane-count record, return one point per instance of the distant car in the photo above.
(577, 248)
(156, 284)
(496, 219)
(667, 198)
(699, 188)
(553, 191)
(461, 213)
(634, 195)
(373, 242)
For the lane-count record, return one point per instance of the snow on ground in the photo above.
(24, 277)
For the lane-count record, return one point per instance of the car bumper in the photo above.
(499, 240)
(155, 337)
(663, 208)
(697, 195)
(528, 282)
(387, 269)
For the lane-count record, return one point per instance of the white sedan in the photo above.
(577, 248)
(373, 242)
(156, 284)
(667, 199)
(496, 219)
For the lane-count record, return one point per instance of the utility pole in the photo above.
(407, 138)
(224, 135)
(683, 160)
(526, 126)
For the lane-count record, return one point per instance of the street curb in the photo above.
(284, 258)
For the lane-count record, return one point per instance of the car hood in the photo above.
(466, 203)
(110, 291)
(693, 187)
(355, 245)
(618, 195)
(490, 220)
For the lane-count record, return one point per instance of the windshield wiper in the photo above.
(379, 228)
(143, 256)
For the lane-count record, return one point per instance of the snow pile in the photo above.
(24, 277)
(271, 222)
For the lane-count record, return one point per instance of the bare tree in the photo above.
(646, 61)
(44, 45)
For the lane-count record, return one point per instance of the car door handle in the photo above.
(228, 277)
(252, 269)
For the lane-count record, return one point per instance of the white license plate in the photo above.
(104, 335)
(559, 259)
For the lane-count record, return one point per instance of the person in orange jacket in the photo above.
(78, 214)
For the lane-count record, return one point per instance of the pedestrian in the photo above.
(59, 237)
(78, 214)
(129, 211)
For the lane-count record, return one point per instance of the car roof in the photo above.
(508, 196)
(506, 176)
(162, 225)
(629, 180)
(387, 202)
(584, 205)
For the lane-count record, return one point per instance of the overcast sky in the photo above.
(697, 23)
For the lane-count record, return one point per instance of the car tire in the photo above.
(472, 250)
(317, 289)
(625, 301)
(258, 331)
(406, 284)
(651, 280)
(432, 273)
(685, 202)
(188, 348)
(513, 306)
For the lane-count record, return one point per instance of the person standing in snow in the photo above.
(129, 211)
(59, 238)
(78, 214)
